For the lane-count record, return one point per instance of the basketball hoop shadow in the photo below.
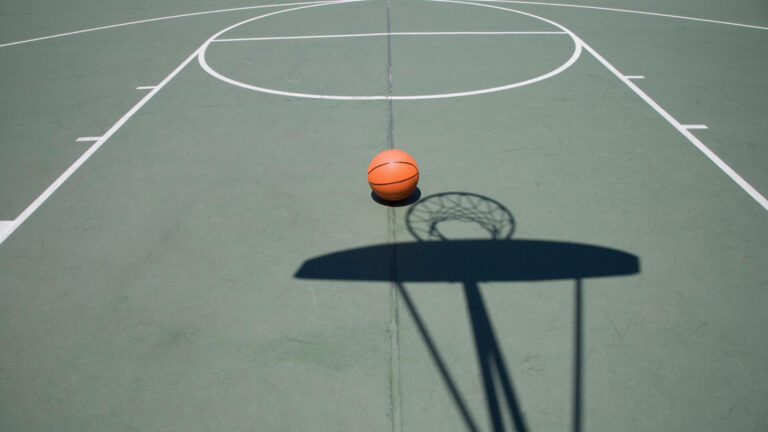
(499, 259)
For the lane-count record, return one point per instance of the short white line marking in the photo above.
(680, 128)
(628, 11)
(334, 36)
(146, 87)
(159, 19)
(91, 150)
(86, 139)
(692, 127)
(634, 77)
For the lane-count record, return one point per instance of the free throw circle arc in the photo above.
(206, 64)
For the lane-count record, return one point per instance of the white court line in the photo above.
(4, 226)
(10, 228)
(695, 141)
(204, 63)
(356, 35)
(628, 11)
(634, 77)
(86, 139)
(157, 19)
(693, 127)
(313, 2)
(682, 129)
(146, 87)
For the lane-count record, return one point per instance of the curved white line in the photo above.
(294, 4)
(158, 19)
(575, 56)
(626, 11)
(204, 47)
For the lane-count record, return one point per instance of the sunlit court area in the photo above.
(383, 215)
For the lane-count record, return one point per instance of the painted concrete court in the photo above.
(188, 242)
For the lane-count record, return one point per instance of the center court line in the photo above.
(10, 228)
(334, 36)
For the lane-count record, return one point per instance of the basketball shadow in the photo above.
(410, 199)
(471, 262)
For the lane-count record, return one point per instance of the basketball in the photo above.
(393, 175)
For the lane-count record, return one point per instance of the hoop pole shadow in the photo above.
(577, 353)
(425, 336)
(489, 356)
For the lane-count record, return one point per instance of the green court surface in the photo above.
(188, 242)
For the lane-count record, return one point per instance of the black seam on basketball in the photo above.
(390, 163)
(391, 183)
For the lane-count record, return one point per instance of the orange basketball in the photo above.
(393, 175)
